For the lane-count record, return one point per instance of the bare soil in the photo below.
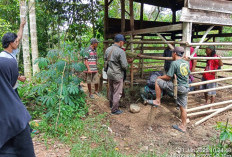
(134, 136)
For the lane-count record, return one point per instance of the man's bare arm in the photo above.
(165, 77)
(20, 32)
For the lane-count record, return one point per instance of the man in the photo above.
(15, 134)
(91, 64)
(192, 67)
(180, 68)
(212, 64)
(117, 64)
(167, 63)
(10, 43)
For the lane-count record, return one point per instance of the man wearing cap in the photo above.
(117, 64)
(180, 68)
(91, 65)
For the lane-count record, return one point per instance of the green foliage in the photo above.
(222, 146)
(56, 87)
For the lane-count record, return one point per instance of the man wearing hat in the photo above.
(91, 65)
(180, 68)
(117, 64)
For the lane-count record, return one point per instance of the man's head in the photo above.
(210, 51)
(177, 52)
(9, 39)
(94, 42)
(119, 40)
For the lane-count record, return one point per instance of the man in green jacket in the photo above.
(117, 64)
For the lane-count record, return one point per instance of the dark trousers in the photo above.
(115, 93)
(19, 146)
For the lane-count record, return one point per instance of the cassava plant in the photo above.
(57, 85)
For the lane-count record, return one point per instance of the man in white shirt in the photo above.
(10, 43)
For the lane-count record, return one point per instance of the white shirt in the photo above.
(11, 55)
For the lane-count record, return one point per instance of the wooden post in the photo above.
(106, 18)
(122, 15)
(141, 60)
(151, 116)
(131, 37)
(187, 33)
(173, 22)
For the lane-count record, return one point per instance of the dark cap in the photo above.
(211, 48)
(119, 37)
(94, 40)
(179, 51)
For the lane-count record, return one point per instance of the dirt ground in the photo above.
(133, 135)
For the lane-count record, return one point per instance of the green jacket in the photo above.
(117, 63)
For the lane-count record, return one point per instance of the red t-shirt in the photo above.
(211, 65)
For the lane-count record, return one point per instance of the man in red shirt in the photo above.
(213, 64)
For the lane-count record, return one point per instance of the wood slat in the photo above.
(169, 28)
(205, 17)
(222, 6)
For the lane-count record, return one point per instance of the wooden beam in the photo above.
(169, 28)
(123, 16)
(211, 5)
(163, 39)
(131, 16)
(106, 11)
(205, 17)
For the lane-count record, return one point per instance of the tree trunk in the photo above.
(33, 31)
(25, 41)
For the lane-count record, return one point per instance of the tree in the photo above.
(25, 41)
(33, 33)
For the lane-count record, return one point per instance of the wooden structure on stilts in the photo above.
(200, 22)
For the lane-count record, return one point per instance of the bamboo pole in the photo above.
(202, 40)
(211, 89)
(213, 114)
(209, 81)
(201, 112)
(134, 55)
(157, 42)
(209, 105)
(210, 44)
(210, 58)
(221, 70)
(163, 39)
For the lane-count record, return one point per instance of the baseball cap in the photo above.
(179, 51)
(94, 40)
(119, 37)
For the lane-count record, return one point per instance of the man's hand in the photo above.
(130, 60)
(23, 22)
(139, 55)
(22, 78)
(186, 58)
(89, 71)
